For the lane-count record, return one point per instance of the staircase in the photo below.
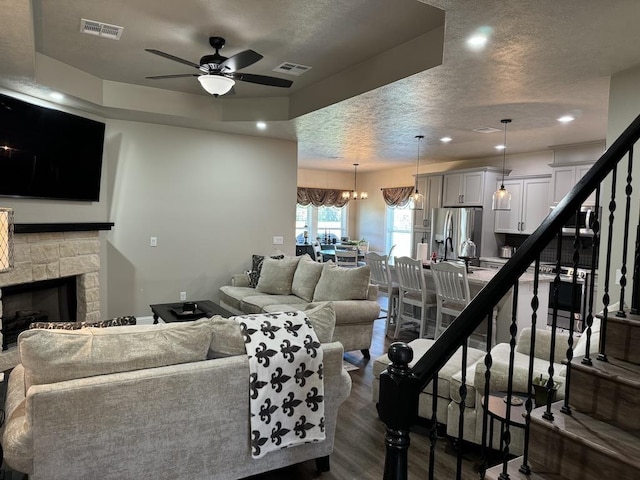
(600, 438)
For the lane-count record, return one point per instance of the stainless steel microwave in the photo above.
(582, 221)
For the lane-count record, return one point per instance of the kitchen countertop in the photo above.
(482, 276)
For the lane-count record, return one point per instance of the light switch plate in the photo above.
(278, 240)
(153, 241)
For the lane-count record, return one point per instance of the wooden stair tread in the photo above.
(513, 469)
(580, 428)
(615, 370)
(630, 319)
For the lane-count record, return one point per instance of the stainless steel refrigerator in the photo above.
(452, 226)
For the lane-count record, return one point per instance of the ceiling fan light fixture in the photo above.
(216, 84)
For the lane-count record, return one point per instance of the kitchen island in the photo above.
(479, 277)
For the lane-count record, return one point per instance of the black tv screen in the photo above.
(46, 153)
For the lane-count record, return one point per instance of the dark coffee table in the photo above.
(172, 312)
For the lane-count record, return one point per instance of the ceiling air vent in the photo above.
(100, 29)
(486, 130)
(291, 68)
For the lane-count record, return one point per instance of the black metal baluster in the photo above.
(398, 409)
(505, 441)
(488, 361)
(566, 409)
(548, 415)
(463, 401)
(625, 237)
(635, 290)
(591, 279)
(524, 468)
(602, 356)
(433, 431)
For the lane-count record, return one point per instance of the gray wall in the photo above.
(211, 199)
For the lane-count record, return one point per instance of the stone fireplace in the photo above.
(57, 251)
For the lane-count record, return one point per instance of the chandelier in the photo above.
(353, 194)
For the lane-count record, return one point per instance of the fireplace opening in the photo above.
(47, 300)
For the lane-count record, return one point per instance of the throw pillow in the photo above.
(227, 339)
(340, 283)
(113, 322)
(276, 276)
(256, 268)
(306, 277)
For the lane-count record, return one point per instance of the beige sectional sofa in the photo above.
(145, 402)
(300, 283)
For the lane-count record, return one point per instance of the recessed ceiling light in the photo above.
(566, 118)
(261, 125)
(478, 39)
(56, 96)
(446, 139)
(499, 147)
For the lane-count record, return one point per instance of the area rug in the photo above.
(349, 366)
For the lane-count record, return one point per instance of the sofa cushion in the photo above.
(256, 303)
(233, 296)
(306, 277)
(256, 268)
(227, 339)
(50, 356)
(341, 283)
(276, 276)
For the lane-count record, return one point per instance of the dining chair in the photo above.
(413, 293)
(453, 295)
(346, 257)
(381, 276)
(363, 249)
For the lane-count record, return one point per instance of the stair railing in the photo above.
(400, 384)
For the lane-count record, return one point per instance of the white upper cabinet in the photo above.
(431, 187)
(528, 205)
(564, 179)
(463, 189)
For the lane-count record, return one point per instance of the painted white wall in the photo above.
(624, 106)
(211, 199)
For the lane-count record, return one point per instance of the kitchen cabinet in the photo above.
(528, 207)
(431, 187)
(463, 189)
(564, 178)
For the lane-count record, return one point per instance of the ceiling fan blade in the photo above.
(263, 80)
(241, 60)
(172, 57)
(177, 75)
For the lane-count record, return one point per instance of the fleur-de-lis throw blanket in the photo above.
(286, 381)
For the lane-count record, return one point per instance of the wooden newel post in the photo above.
(398, 409)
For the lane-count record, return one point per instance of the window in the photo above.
(328, 223)
(399, 226)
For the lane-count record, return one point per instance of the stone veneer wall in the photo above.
(47, 256)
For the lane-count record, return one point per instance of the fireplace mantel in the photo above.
(61, 227)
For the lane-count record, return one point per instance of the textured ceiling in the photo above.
(378, 77)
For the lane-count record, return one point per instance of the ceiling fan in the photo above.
(219, 73)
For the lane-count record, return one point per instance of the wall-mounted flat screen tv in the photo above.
(46, 153)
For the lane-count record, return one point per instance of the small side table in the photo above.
(496, 406)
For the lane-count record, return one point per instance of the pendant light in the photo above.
(501, 197)
(417, 199)
(353, 194)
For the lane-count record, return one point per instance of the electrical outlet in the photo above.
(153, 241)
(278, 240)
(183, 295)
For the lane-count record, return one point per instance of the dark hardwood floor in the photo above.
(359, 445)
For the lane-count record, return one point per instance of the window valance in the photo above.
(397, 196)
(321, 197)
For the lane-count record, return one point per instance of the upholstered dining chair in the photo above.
(381, 276)
(413, 292)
